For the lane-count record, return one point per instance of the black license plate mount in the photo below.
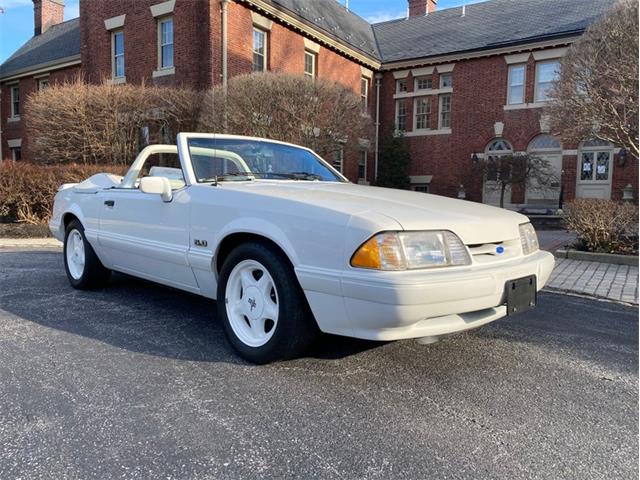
(521, 294)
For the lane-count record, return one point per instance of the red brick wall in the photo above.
(28, 85)
(478, 99)
(421, 7)
(47, 13)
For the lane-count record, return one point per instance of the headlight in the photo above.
(528, 238)
(411, 250)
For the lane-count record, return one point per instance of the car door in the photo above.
(143, 235)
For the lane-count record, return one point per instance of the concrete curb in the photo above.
(29, 242)
(611, 258)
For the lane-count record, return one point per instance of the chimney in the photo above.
(47, 13)
(420, 8)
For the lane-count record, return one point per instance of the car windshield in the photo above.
(216, 159)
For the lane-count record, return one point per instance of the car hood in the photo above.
(473, 222)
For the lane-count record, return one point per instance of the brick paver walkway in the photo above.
(603, 280)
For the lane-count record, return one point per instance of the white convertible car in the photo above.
(289, 247)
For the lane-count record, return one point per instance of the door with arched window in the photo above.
(595, 169)
(544, 190)
(492, 185)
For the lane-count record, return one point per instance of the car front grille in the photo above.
(491, 252)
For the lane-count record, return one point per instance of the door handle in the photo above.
(109, 203)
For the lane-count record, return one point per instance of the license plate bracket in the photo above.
(521, 294)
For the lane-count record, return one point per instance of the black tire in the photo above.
(296, 328)
(94, 274)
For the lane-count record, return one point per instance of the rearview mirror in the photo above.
(158, 186)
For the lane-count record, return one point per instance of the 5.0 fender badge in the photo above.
(200, 243)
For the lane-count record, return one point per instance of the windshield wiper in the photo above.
(221, 178)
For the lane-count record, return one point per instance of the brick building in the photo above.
(463, 84)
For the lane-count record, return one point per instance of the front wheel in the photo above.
(83, 267)
(262, 306)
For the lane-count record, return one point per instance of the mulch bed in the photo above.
(23, 230)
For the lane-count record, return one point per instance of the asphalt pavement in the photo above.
(138, 381)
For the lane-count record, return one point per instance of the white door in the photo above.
(547, 194)
(595, 168)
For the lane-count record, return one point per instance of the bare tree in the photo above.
(503, 172)
(319, 114)
(596, 95)
(83, 123)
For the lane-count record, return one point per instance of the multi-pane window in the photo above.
(165, 32)
(338, 159)
(446, 80)
(401, 85)
(423, 113)
(118, 54)
(43, 83)
(401, 115)
(310, 64)
(546, 74)
(362, 165)
(424, 83)
(364, 94)
(259, 50)
(515, 94)
(445, 111)
(595, 165)
(15, 101)
(16, 153)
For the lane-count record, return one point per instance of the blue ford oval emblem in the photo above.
(499, 249)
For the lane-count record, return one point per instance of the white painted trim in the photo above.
(116, 81)
(420, 72)
(521, 106)
(365, 72)
(164, 8)
(312, 46)
(114, 22)
(13, 119)
(524, 83)
(43, 67)
(422, 133)
(446, 68)
(549, 54)
(536, 77)
(423, 93)
(517, 58)
(400, 74)
(262, 22)
(571, 153)
(163, 72)
(14, 143)
(420, 179)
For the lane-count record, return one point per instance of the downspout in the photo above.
(224, 4)
(378, 84)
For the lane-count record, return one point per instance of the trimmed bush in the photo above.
(603, 226)
(27, 190)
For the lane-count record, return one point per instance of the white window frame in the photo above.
(397, 122)
(426, 79)
(265, 54)
(427, 113)
(13, 153)
(114, 56)
(338, 160)
(362, 162)
(43, 82)
(314, 60)
(442, 76)
(524, 83)
(14, 89)
(161, 44)
(399, 82)
(440, 112)
(364, 94)
(537, 90)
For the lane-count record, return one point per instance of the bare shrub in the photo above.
(603, 225)
(319, 114)
(27, 190)
(82, 123)
(596, 95)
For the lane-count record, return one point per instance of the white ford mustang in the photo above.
(289, 247)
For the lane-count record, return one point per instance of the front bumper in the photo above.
(410, 304)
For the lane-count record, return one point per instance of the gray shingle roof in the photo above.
(333, 18)
(485, 25)
(58, 42)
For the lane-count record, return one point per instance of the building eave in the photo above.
(41, 68)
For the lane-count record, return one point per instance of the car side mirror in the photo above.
(158, 186)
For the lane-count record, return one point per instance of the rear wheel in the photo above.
(83, 267)
(262, 306)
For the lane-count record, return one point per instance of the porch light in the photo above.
(474, 158)
(461, 193)
(622, 157)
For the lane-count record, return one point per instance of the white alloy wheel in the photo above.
(75, 254)
(251, 301)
